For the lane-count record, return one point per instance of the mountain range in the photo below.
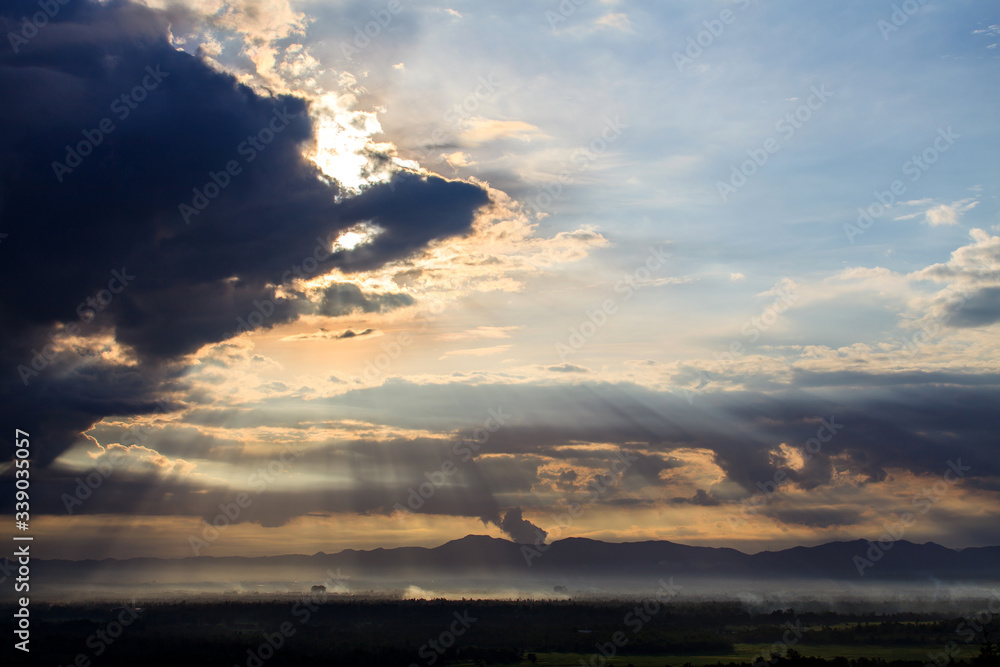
(486, 557)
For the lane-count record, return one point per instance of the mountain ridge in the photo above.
(486, 555)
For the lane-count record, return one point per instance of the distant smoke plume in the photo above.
(520, 529)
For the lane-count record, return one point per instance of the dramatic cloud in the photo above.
(822, 432)
(870, 423)
(230, 229)
(156, 205)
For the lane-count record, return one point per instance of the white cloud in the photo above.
(477, 351)
(936, 214)
(659, 282)
(617, 21)
(458, 159)
(949, 214)
(978, 262)
(482, 130)
(480, 333)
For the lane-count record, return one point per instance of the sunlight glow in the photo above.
(357, 235)
(344, 149)
(350, 240)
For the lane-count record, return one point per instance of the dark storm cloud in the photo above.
(108, 133)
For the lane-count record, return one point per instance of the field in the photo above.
(404, 633)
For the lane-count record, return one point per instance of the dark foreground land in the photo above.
(316, 630)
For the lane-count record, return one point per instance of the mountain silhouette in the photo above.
(484, 557)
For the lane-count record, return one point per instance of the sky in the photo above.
(293, 276)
